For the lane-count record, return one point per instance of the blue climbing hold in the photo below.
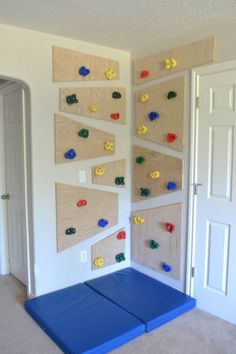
(166, 267)
(171, 186)
(153, 115)
(102, 222)
(70, 154)
(83, 71)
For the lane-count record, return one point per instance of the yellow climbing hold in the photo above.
(138, 220)
(154, 174)
(167, 64)
(99, 171)
(109, 146)
(142, 129)
(173, 62)
(170, 63)
(93, 108)
(110, 74)
(143, 98)
(99, 262)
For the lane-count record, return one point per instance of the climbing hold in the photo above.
(142, 129)
(116, 94)
(115, 116)
(143, 98)
(102, 222)
(173, 62)
(70, 231)
(81, 203)
(154, 174)
(140, 159)
(169, 227)
(110, 74)
(121, 235)
(138, 220)
(120, 180)
(167, 64)
(83, 71)
(83, 133)
(109, 146)
(120, 257)
(170, 137)
(93, 108)
(170, 63)
(144, 74)
(153, 244)
(99, 262)
(171, 186)
(144, 192)
(153, 115)
(171, 94)
(70, 154)
(71, 99)
(99, 171)
(166, 267)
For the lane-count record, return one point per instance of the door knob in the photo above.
(5, 196)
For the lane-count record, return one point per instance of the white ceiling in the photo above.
(123, 24)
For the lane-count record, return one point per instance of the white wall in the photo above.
(27, 56)
(225, 51)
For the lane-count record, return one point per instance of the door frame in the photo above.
(192, 203)
(10, 86)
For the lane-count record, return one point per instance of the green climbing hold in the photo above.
(83, 133)
(120, 180)
(140, 159)
(116, 94)
(70, 231)
(144, 192)
(171, 94)
(120, 257)
(72, 99)
(153, 244)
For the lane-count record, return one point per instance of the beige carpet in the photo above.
(195, 332)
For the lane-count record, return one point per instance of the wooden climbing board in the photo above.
(67, 63)
(168, 167)
(66, 138)
(188, 56)
(95, 103)
(107, 173)
(107, 249)
(84, 219)
(154, 228)
(171, 113)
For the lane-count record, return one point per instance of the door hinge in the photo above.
(197, 102)
(193, 272)
(195, 188)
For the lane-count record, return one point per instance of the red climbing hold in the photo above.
(81, 203)
(170, 227)
(121, 235)
(144, 74)
(171, 137)
(115, 116)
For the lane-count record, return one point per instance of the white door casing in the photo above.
(214, 206)
(14, 170)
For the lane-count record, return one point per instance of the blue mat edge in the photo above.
(170, 316)
(109, 345)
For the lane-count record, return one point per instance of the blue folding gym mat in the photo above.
(149, 300)
(79, 320)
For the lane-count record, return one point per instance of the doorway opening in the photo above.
(16, 231)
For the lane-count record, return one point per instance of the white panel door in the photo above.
(215, 239)
(14, 166)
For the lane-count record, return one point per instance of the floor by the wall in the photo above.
(195, 332)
